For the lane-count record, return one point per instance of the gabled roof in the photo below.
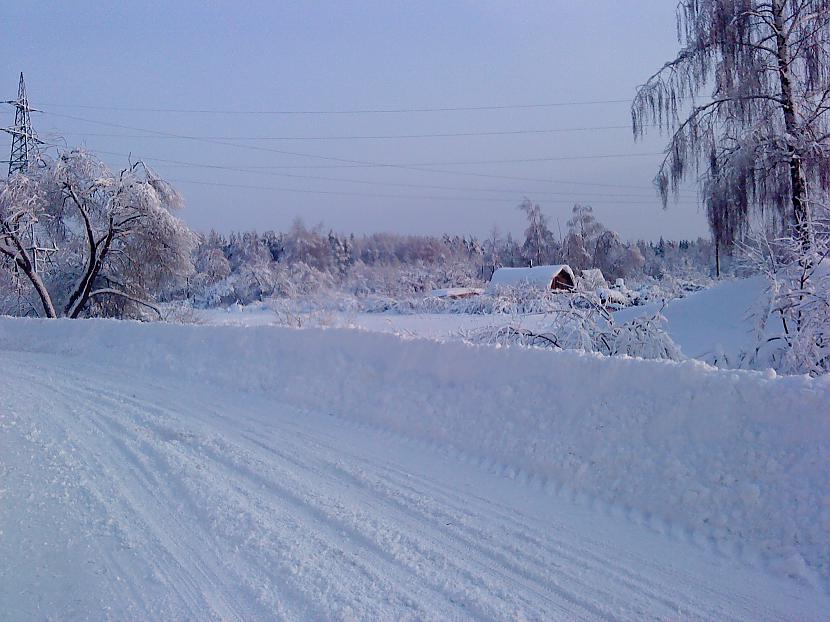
(537, 276)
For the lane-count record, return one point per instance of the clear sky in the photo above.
(133, 58)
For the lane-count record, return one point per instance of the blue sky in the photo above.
(335, 56)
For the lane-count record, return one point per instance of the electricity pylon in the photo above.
(24, 154)
(24, 140)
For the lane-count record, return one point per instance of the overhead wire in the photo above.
(373, 195)
(379, 136)
(512, 191)
(343, 111)
(350, 163)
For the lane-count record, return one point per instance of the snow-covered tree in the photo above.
(615, 259)
(576, 254)
(793, 326)
(212, 263)
(585, 225)
(119, 243)
(538, 235)
(761, 139)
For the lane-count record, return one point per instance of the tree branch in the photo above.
(115, 292)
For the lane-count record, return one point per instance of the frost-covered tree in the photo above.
(119, 243)
(576, 255)
(583, 232)
(615, 259)
(793, 327)
(341, 257)
(538, 236)
(308, 245)
(584, 223)
(760, 140)
(212, 263)
(493, 248)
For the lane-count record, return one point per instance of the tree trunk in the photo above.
(21, 259)
(40, 288)
(717, 257)
(798, 182)
(100, 249)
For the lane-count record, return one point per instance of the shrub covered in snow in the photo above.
(793, 321)
(583, 323)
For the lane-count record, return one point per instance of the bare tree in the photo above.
(761, 140)
(118, 238)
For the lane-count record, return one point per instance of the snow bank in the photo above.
(712, 324)
(742, 456)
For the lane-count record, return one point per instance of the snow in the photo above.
(735, 458)
(710, 325)
(592, 279)
(713, 323)
(537, 276)
(457, 292)
(134, 494)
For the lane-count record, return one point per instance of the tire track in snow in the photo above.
(71, 392)
(182, 567)
(329, 521)
(513, 575)
(392, 498)
(138, 516)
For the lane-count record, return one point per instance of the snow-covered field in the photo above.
(711, 324)
(155, 471)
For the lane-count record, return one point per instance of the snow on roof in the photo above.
(537, 276)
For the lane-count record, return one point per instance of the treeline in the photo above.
(249, 266)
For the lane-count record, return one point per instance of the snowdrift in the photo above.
(740, 456)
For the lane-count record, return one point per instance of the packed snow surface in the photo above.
(219, 472)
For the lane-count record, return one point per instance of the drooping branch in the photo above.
(763, 135)
(116, 292)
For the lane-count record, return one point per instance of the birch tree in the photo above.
(538, 235)
(760, 141)
(118, 239)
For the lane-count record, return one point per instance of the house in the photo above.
(558, 277)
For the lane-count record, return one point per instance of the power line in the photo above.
(507, 177)
(350, 162)
(373, 195)
(345, 111)
(361, 163)
(260, 171)
(379, 136)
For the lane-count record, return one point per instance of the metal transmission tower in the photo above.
(24, 154)
(24, 140)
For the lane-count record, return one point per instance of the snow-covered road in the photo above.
(141, 496)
